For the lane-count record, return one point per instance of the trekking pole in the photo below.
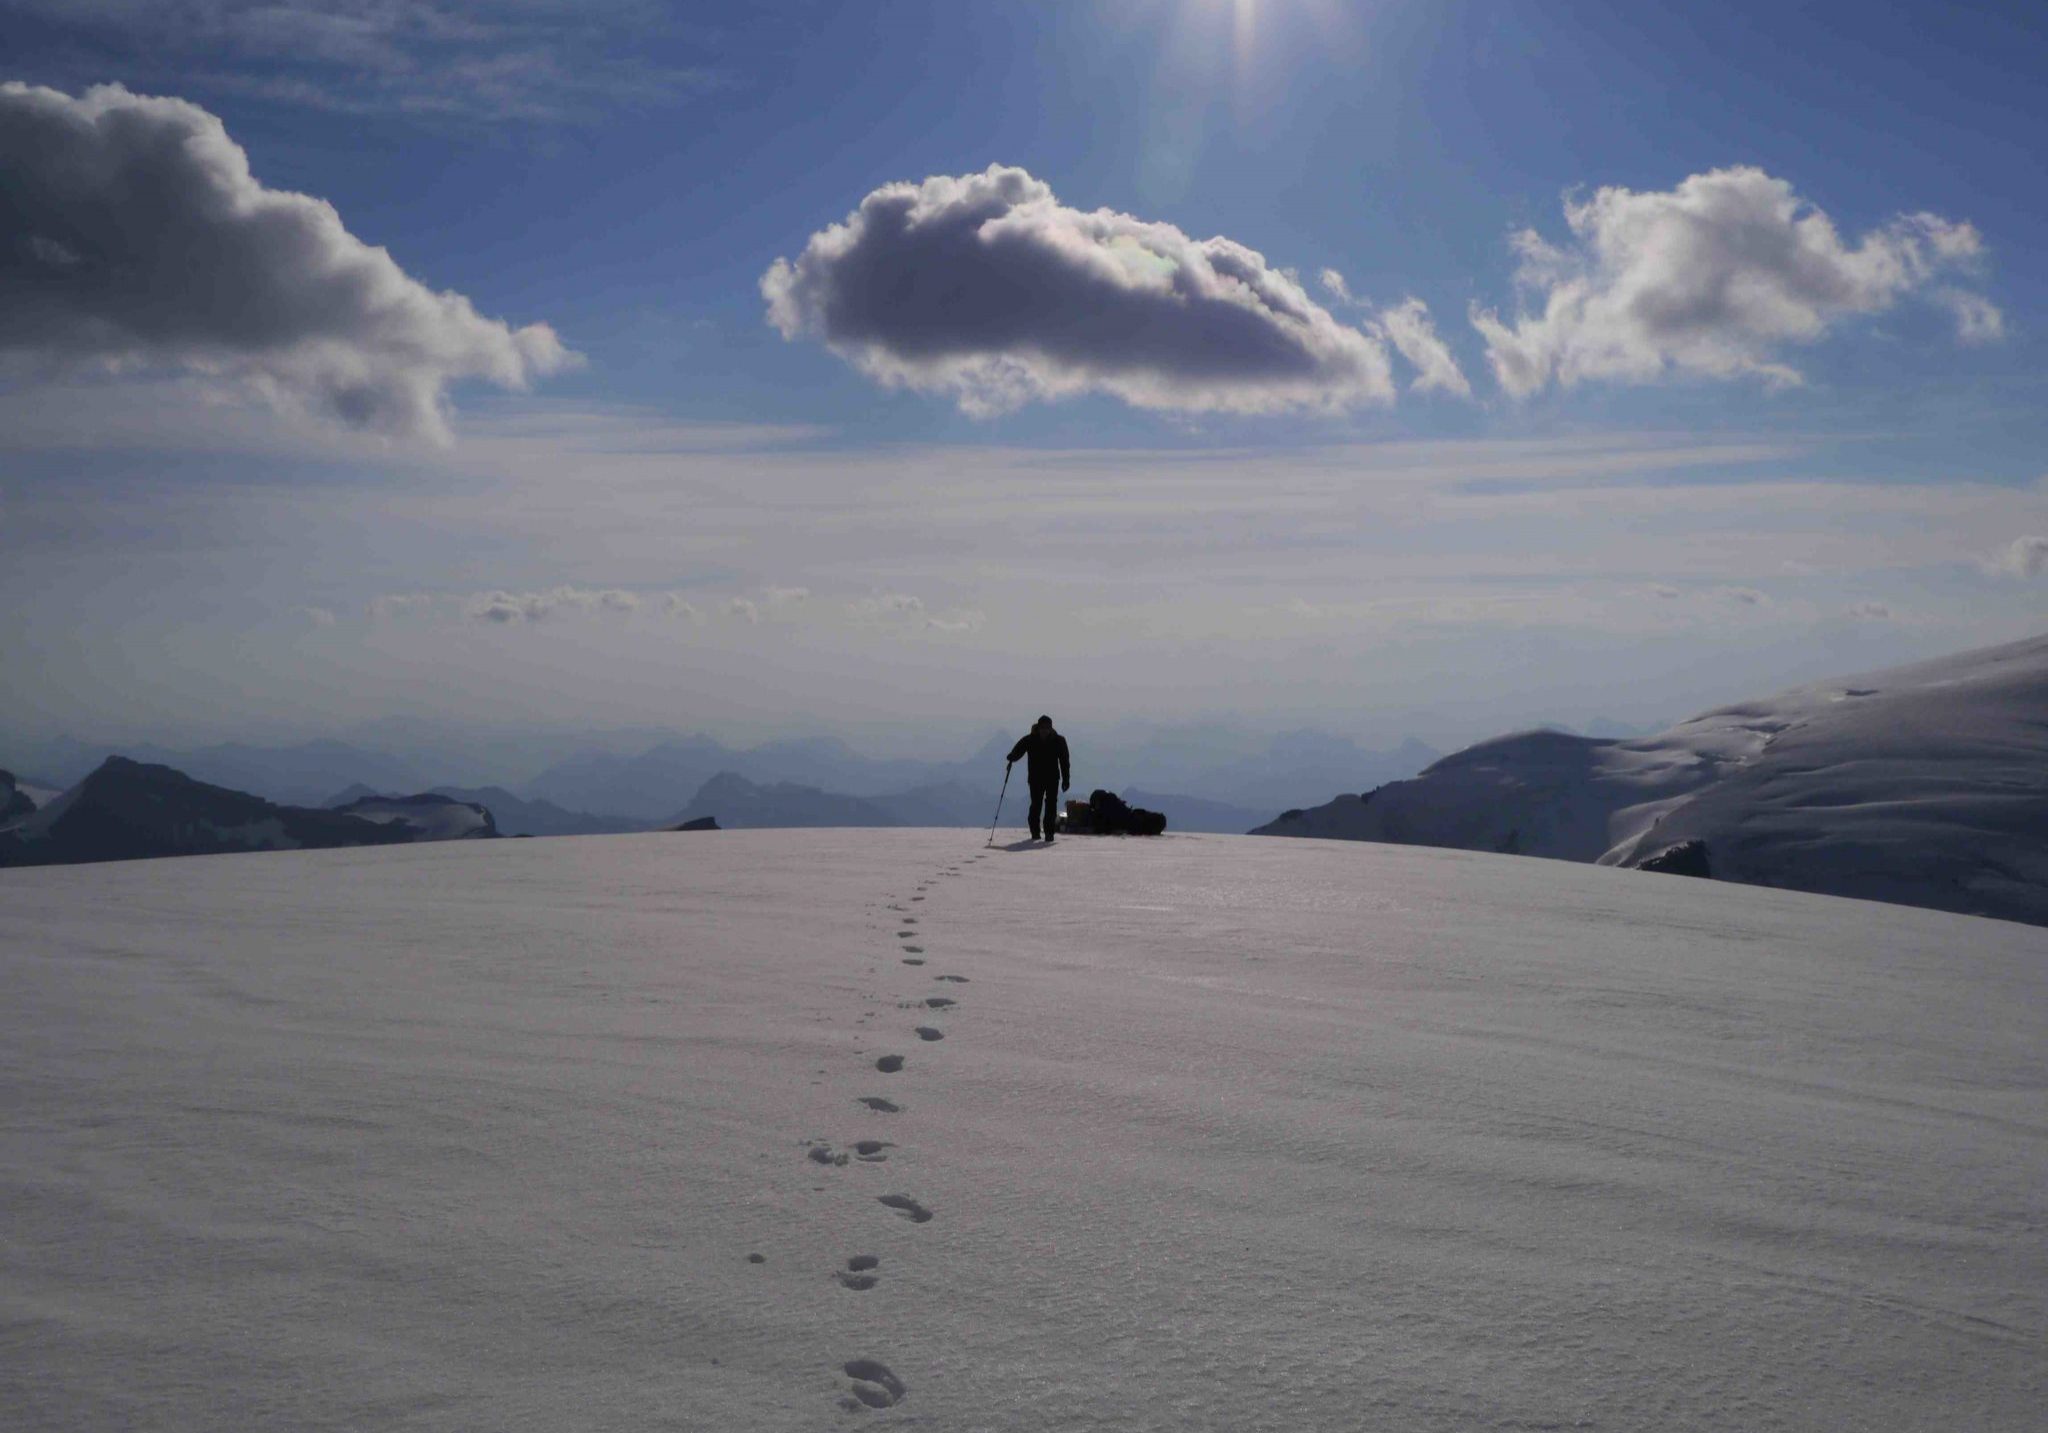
(999, 802)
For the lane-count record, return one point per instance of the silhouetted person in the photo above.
(1049, 773)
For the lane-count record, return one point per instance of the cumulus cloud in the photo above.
(674, 604)
(965, 620)
(1714, 278)
(400, 604)
(132, 235)
(1978, 320)
(987, 288)
(1408, 327)
(2022, 558)
(508, 607)
(766, 600)
(887, 604)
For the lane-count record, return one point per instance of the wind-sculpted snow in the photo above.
(1925, 785)
(1267, 1136)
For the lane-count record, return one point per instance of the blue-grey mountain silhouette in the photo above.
(129, 810)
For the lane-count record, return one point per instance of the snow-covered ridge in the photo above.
(1924, 785)
(429, 816)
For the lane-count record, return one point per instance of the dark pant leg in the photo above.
(1045, 799)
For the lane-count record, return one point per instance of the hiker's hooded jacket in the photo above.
(1048, 752)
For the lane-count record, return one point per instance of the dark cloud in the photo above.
(132, 234)
(986, 287)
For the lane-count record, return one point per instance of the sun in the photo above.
(1253, 44)
(1244, 24)
(1222, 62)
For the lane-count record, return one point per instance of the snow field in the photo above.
(1219, 1133)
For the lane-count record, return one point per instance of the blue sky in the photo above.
(1723, 465)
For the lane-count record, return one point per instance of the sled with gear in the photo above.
(1105, 813)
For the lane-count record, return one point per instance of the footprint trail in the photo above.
(871, 1384)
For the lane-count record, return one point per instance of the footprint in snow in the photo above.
(915, 949)
(871, 1151)
(873, 1384)
(906, 1206)
(859, 1274)
(925, 1032)
(880, 1105)
(822, 1153)
(956, 979)
(912, 960)
(889, 1064)
(906, 935)
(939, 1002)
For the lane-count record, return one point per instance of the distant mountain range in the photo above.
(1925, 785)
(131, 810)
(302, 774)
(740, 804)
(1217, 777)
(1190, 813)
(941, 803)
(1203, 778)
(655, 783)
(515, 815)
